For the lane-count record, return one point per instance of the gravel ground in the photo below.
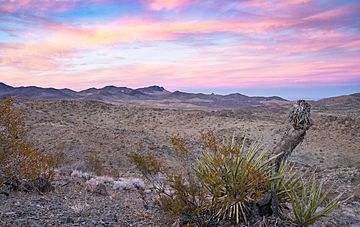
(80, 129)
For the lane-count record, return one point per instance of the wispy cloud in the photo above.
(206, 44)
(167, 4)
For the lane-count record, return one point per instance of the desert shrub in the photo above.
(147, 164)
(229, 183)
(60, 157)
(21, 167)
(309, 203)
(94, 164)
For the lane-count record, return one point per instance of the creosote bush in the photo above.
(21, 167)
(229, 183)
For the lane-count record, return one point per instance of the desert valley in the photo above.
(94, 130)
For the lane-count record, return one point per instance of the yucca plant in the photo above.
(309, 203)
(229, 182)
(234, 177)
(284, 181)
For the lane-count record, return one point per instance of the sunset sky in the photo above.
(291, 48)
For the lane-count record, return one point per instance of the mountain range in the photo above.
(154, 95)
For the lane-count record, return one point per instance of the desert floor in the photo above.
(84, 130)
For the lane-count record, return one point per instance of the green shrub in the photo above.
(147, 164)
(21, 167)
(233, 177)
(225, 184)
(309, 203)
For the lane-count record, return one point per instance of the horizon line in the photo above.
(209, 91)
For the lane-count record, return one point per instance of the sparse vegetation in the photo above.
(21, 167)
(309, 203)
(230, 182)
(94, 164)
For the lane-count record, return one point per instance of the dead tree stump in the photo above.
(300, 120)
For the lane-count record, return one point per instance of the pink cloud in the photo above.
(298, 1)
(167, 4)
(65, 5)
(61, 40)
(333, 14)
(265, 5)
(38, 5)
(204, 71)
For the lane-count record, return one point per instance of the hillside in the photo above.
(339, 102)
(153, 96)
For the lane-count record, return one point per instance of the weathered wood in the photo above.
(274, 204)
(300, 120)
(287, 144)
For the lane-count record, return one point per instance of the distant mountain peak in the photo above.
(5, 86)
(154, 88)
(109, 86)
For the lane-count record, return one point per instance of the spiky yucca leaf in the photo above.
(309, 203)
(284, 181)
(234, 177)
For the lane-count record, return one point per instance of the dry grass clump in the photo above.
(230, 183)
(21, 167)
(94, 164)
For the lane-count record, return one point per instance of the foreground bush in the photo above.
(21, 167)
(307, 202)
(230, 183)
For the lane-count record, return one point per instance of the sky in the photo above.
(291, 48)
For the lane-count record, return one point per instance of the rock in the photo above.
(93, 223)
(3, 197)
(138, 183)
(5, 191)
(110, 218)
(37, 225)
(10, 214)
(96, 187)
(122, 185)
(21, 222)
(101, 190)
(66, 219)
(54, 207)
(265, 199)
(104, 179)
